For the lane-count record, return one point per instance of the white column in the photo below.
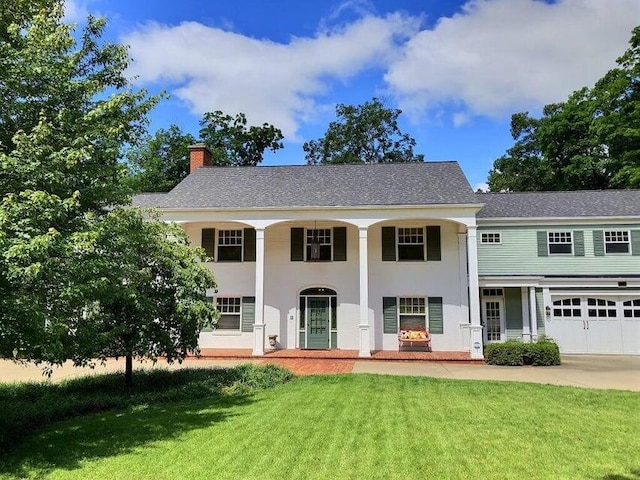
(526, 330)
(365, 339)
(533, 314)
(464, 282)
(258, 327)
(474, 294)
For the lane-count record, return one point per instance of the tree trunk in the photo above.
(128, 372)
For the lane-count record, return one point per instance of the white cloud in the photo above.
(213, 69)
(482, 186)
(75, 11)
(500, 56)
(460, 118)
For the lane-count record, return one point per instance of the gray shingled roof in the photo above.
(584, 203)
(427, 183)
(148, 200)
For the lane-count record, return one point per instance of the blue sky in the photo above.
(457, 69)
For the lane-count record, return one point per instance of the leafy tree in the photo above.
(590, 141)
(160, 162)
(232, 143)
(148, 288)
(66, 109)
(366, 133)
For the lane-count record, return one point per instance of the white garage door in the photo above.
(595, 324)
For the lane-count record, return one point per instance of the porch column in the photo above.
(464, 281)
(533, 314)
(258, 326)
(526, 321)
(474, 293)
(365, 341)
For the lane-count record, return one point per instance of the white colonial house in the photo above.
(345, 256)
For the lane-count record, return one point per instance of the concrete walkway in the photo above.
(606, 372)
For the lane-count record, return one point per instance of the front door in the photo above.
(493, 313)
(318, 323)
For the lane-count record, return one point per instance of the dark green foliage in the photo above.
(515, 353)
(28, 406)
(366, 133)
(590, 141)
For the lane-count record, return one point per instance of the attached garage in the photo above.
(595, 323)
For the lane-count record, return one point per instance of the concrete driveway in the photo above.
(602, 371)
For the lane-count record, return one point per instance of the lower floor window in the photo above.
(412, 312)
(229, 308)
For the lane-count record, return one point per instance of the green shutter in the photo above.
(390, 315)
(208, 241)
(340, 244)
(249, 244)
(598, 243)
(208, 327)
(578, 243)
(635, 242)
(297, 244)
(436, 323)
(388, 244)
(542, 244)
(248, 313)
(434, 250)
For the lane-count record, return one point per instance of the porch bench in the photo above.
(414, 337)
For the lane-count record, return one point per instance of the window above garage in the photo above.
(617, 242)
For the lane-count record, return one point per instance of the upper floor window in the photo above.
(229, 245)
(560, 243)
(229, 308)
(410, 243)
(318, 244)
(616, 241)
(490, 238)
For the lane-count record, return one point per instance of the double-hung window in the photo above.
(229, 308)
(318, 244)
(617, 241)
(411, 312)
(229, 245)
(410, 243)
(560, 243)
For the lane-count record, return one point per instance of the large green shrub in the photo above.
(515, 353)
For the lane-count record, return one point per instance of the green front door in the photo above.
(318, 323)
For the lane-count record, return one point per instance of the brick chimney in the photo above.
(199, 156)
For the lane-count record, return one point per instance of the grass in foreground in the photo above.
(354, 426)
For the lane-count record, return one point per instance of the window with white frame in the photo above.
(631, 308)
(229, 245)
(617, 241)
(560, 243)
(411, 312)
(410, 243)
(229, 308)
(318, 245)
(490, 238)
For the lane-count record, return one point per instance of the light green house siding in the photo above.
(513, 313)
(518, 253)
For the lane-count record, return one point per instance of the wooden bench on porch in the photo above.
(414, 337)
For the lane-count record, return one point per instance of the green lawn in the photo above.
(352, 426)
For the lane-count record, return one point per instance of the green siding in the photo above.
(390, 315)
(297, 244)
(340, 244)
(434, 249)
(436, 320)
(248, 313)
(540, 310)
(513, 312)
(518, 253)
(249, 245)
(578, 243)
(388, 244)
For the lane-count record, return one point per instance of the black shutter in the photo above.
(542, 244)
(297, 244)
(249, 244)
(208, 241)
(434, 250)
(388, 244)
(340, 244)
(389, 315)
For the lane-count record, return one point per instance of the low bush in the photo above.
(515, 353)
(26, 406)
